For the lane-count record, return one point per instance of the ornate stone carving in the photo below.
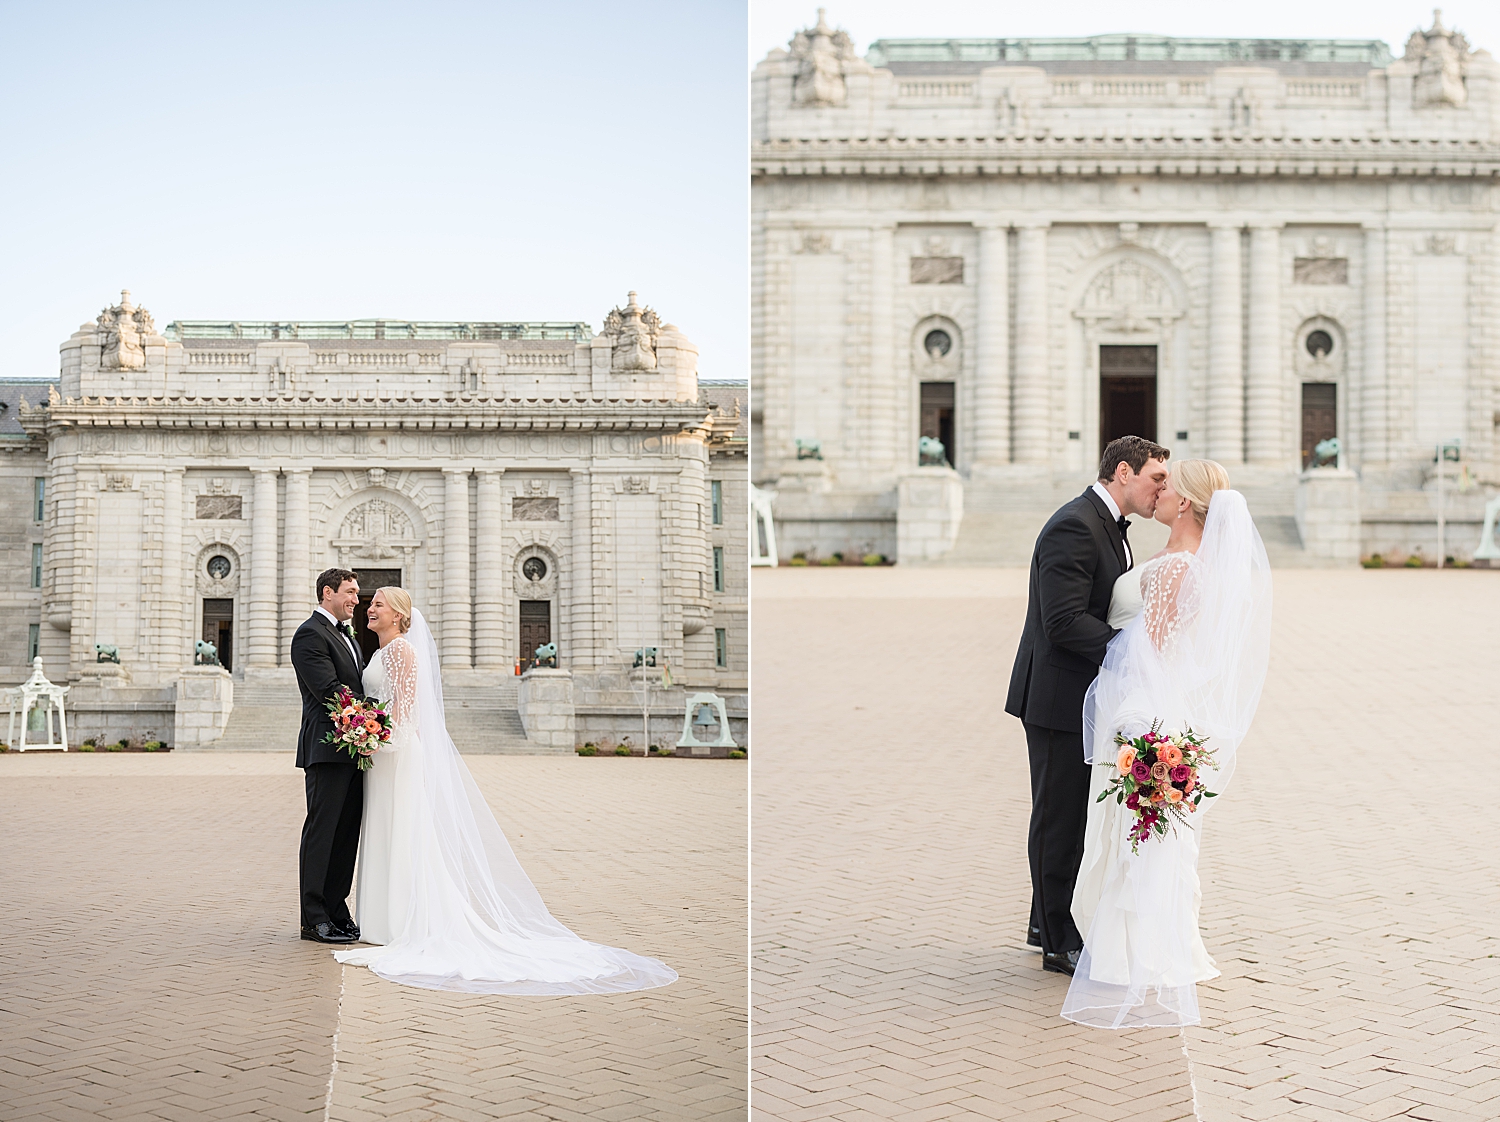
(526, 582)
(1442, 60)
(124, 325)
(376, 530)
(1128, 297)
(635, 484)
(1441, 245)
(814, 243)
(822, 56)
(218, 486)
(937, 270)
(118, 481)
(633, 331)
(376, 476)
(1320, 270)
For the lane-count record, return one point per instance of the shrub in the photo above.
(588, 750)
(4, 747)
(1374, 561)
(799, 559)
(117, 746)
(872, 559)
(834, 560)
(86, 746)
(622, 750)
(736, 754)
(1413, 562)
(153, 746)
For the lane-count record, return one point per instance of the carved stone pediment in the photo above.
(633, 332)
(1129, 297)
(1442, 61)
(376, 530)
(822, 56)
(123, 326)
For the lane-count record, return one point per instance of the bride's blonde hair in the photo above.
(399, 601)
(1196, 481)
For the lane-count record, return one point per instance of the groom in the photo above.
(326, 656)
(1079, 554)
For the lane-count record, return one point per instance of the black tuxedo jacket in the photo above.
(1079, 555)
(323, 663)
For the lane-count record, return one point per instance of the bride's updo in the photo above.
(1196, 481)
(399, 601)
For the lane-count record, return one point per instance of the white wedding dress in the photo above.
(1192, 653)
(439, 889)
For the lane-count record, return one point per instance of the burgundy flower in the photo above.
(1133, 800)
(1141, 771)
(1180, 773)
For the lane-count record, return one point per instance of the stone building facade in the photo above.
(1021, 248)
(528, 482)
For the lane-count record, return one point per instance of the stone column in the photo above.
(580, 569)
(495, 578)
(887, 408)
(1226, 383)
(1032, 395)
(1374, 426)
(992, 366)
(1263, 421)
(297, 600)
(261, 613)
(457, 605)
(177, 584)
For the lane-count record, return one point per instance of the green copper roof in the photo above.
(375, 329)
(1129, 48)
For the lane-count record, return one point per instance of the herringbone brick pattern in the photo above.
(150, 966)
(1350, 890)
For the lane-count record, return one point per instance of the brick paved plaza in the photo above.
(151, 966)
(1358, 948)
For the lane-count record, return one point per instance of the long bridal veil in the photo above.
(1143, 953)
(474, 921)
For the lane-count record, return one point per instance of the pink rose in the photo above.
(1180, 773)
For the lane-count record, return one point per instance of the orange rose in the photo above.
(1157, 796)
(1169, 754)
(1126, 760)
(371, 725)
(1187, 788)
(1174, 795)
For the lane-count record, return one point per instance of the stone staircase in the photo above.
(482, 717)
(1001, 522)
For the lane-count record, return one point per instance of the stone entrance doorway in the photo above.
(218, 628)
(536, 629)
(1127, 392)
(937, 416)
(371, 581)
(1320, 416)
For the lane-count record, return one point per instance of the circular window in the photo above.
(938, 343)
(534, 568)
(219, 566)
(1319, 344)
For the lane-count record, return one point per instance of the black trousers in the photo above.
(1059, 813)
(330, 841)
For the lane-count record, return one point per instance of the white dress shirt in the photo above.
(1109, 501)
(339, 627)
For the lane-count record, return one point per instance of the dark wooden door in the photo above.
(536, 629)
(371, 581)
(218, 628)
(1127, 393)
(937, 416)
(1320, 416)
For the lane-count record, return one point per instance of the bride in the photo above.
(440, 892)
(1192, 653)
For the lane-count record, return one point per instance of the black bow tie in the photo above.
(1124, 524)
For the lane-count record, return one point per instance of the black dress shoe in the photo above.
(350, 929)
(1033, 936)
(326, 933)
(1060, 962)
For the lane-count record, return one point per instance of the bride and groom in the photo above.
(442, 900)
(1112, 646)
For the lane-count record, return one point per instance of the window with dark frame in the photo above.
(718, 568)
(39, 488)
(721, 648)
(36, 565)
(716, 491)
(33, 641)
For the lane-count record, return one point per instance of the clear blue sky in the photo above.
(773, 22)
(319, 160)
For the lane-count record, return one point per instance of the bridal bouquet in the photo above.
(359, 727)
(1156, 776)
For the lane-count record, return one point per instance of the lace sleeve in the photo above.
(1164, 611)
(401, 680)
